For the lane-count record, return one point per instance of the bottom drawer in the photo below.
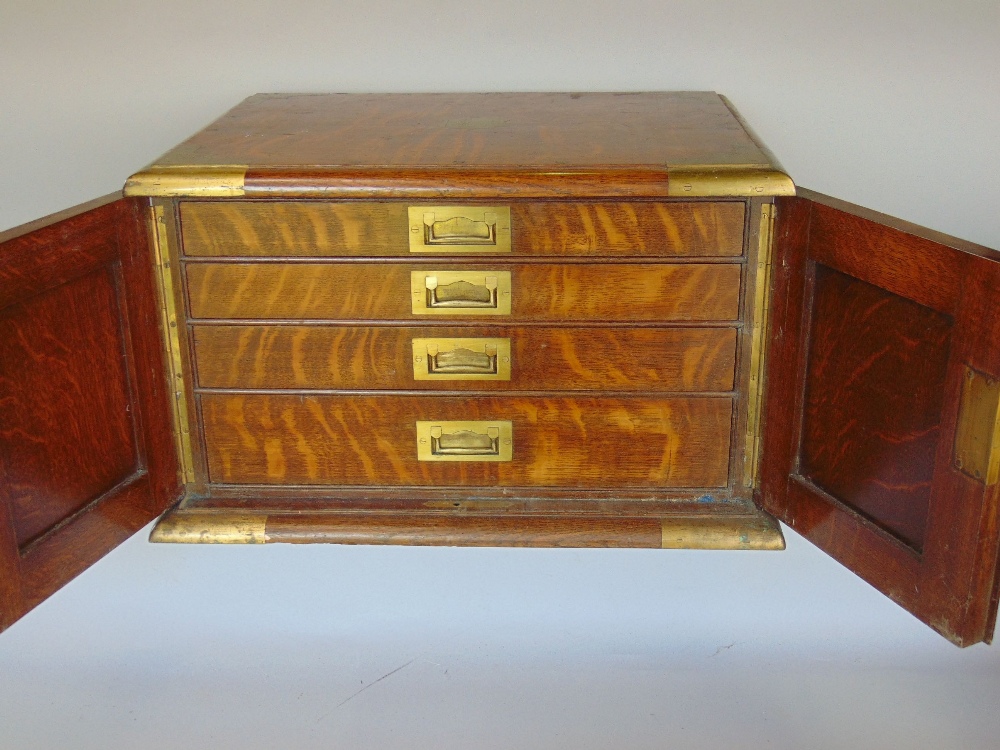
(555, 442)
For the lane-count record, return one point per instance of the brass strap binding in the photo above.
(175, 371)
(758, 345)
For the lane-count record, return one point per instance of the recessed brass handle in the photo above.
(465, 441)
(461, 359)
(459, 229)
(460, 292)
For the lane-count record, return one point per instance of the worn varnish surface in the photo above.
(468, 531)
(951, 584)
(558, 441)
(529, 130)
(370, 357)
(304, 228)
(86, 451)
(364, 291)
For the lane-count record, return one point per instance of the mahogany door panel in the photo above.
(877, 325)
(86, 450)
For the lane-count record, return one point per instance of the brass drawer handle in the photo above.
(460, 292)
(465, 441)
(461, 359)
(459, 229)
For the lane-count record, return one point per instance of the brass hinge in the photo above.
(175, 370)
(758, 345)
(977, 436)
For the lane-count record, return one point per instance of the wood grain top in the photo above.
(288, 142)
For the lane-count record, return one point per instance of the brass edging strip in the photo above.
(719, 181)
(229, 180)
(758, 345)
(175, 371)
(205, 181)
(187, 527)
(758, 532)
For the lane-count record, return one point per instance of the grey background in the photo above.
(891, 105)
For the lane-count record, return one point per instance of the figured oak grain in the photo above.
(376, 357)
(362, 291)
(319, 229)
(558, 441)
(541, 130)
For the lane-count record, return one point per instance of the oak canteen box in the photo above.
(589, 320)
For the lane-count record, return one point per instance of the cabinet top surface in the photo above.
(284, 136)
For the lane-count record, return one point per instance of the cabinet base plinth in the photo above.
(721, 527)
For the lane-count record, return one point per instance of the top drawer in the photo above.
(320, 229)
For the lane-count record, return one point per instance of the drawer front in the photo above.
(556, 442)
(564, 293)
(316, 229)
(539, 358)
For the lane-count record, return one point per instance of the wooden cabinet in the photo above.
(499, 319)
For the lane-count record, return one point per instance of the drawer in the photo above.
(465, 358)
(544, 292)
(555, 442)
(275, 229)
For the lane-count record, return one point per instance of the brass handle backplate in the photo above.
(460, 292)
(459, 229)
(461, 359)
(465, 441)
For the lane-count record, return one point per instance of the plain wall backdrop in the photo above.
(891, 105)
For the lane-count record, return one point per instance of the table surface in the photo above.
(181, 646)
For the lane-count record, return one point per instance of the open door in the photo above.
(86, 452)
(881, 426)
